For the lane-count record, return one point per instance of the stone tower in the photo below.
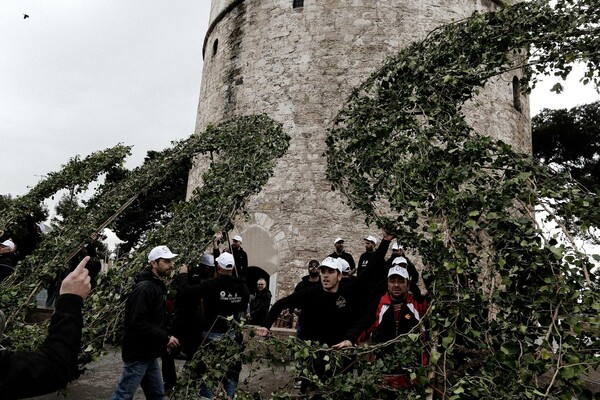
(297, 61)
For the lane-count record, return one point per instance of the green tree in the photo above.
(154, 207)
(66, 207)
(570, 140)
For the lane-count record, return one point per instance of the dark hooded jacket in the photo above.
(145, 336)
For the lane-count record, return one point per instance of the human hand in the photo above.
(78, 281)
(342, 345)
(183, 269)
(173, 342)
(387, 235)
(262, 331)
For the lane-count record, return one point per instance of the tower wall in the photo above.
(298, 66)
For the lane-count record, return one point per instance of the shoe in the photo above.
(2, 323)
(298, 384)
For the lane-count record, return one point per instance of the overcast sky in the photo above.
(79, 76)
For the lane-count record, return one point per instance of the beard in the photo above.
(313, 274)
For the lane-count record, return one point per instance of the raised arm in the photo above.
(28, 374)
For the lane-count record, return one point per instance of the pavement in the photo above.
(101, 377)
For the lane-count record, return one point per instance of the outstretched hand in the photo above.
(342, 345)
(387, 236)
(262, 331)
(78, 281)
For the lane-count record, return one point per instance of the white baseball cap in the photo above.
(207, 259)
(238, 238)
(344, 266)
(338, 239)
(371, 238)
(397, 270)
(10, 244)
(397, 246)
(332, 263)
(161, 252)
(226, 261)
(399, 261)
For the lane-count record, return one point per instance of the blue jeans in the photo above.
(232, 377)
(136, 373)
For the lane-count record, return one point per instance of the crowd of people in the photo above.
(338, 304)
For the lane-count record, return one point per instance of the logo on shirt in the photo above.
(341, 302)
(230, 297)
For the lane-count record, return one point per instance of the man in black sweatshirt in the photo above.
(223, 296)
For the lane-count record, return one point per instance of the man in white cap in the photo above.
(370, 245)
(240, 256)
(223, 297)
(339, 252)
(398, 251)
(396, 313)
(7, 259)
(145, 337)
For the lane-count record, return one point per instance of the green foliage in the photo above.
(66, 206)
(570, 140)
(215, 203)
(152, 208)
(75, 175)
(514, 311)
(509, 310)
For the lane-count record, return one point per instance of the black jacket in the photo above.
(223, 296)
(28, 374)
(363, 261)
(305, 284)
(7, 265)
(259, 306)
(327, 316)
(145, 336)
(241, 261)
(346, 256)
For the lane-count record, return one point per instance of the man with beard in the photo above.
(396, 313)
(239, 255)
(145, 337)
(370, 244)
(339, 252)
(313, 279)
(398, 251)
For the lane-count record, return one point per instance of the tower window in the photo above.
(215, 47)
(516, 86)
(297, 3)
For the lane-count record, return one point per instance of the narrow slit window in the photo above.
(516, 86)
(215, 47)
(297, 3)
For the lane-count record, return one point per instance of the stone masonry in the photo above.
(298, 65)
